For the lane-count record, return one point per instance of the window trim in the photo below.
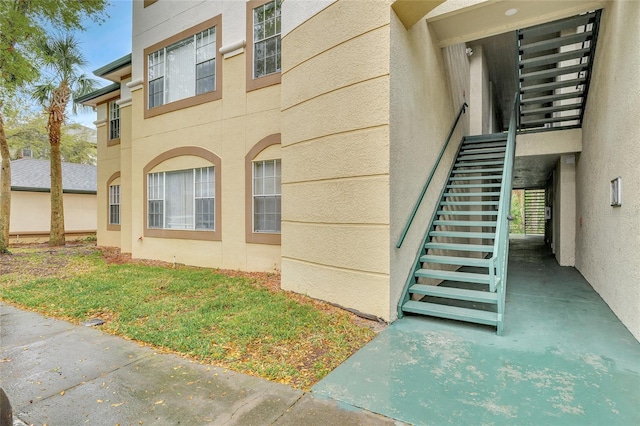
(113, 227)
(269, 79)
(250, 236)
(114, 141)
(196, 99)
(186, 234)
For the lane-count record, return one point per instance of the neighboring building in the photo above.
(31, 200)
(296, 136)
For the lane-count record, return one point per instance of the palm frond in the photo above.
(42, 93)
(83, 84)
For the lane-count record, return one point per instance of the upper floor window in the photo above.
(183, 199)
(114, 205)
(114, 120)
(183, 70)
(266, 39)
(263, 44)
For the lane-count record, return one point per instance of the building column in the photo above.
(565, 244)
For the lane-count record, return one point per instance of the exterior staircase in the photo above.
(455, 274)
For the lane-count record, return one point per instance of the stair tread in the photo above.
(469, 203)
(455, 260)
(544, 87)
(470, 149)
(551, 120)
(453, 276)
(452, 312)
(479, 163)
(556, 26)
(469, 171)
(495, 155)
(555, 42)
(551, 98)
(485, 144)
(551, 109)
(454, 293)
(486, 177)
(464, 223)
(554, 58)
(493, 137)
(468, 212)
(554, 72)
(460, 247)
(474, 185)
(471, 194)
(463, 234)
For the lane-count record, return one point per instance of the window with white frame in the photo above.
(266, 39)
(114, 120)
(182, 199)
(114, 205)
(266, 196)
(183, 69)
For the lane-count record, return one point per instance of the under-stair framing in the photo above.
(461, 239)
(554, 70)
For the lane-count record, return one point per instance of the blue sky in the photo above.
(104, 43)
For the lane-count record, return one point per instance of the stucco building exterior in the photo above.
(296, 136)
(31, 200)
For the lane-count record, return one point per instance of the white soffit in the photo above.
(488, 18)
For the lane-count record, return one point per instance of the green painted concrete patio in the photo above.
(564, 359)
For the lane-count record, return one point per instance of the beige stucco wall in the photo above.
(335, 155)
(608, 238)
(547, 143)
(480, 111)
(31, 212)
(229, 128)
(564, 211)
(108, 164)
(421, 114)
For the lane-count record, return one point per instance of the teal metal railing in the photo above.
(428, 182)
(498, 271)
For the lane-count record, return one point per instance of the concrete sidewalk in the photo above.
(58, 373)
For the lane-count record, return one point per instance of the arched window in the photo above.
(182, 195)
(263, 172)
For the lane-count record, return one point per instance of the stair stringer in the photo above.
(423, 250)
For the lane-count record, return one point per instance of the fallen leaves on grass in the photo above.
(237, 320)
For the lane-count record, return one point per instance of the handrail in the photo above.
(499, 259)
(507, 174)
(428, 182)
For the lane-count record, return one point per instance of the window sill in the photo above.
(113, 142)
(183, 234)
(263, 238)
(183, 103)
(112, 227)
(262, 82)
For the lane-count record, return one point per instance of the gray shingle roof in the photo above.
(29, 173)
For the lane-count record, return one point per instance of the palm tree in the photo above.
(63, 60)
(5, 188)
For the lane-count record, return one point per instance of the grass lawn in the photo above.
(241, 321)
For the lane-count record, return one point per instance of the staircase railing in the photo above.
(428, 182)
(498, 273)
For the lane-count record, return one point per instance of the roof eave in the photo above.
(115, 70)
(99, 96)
